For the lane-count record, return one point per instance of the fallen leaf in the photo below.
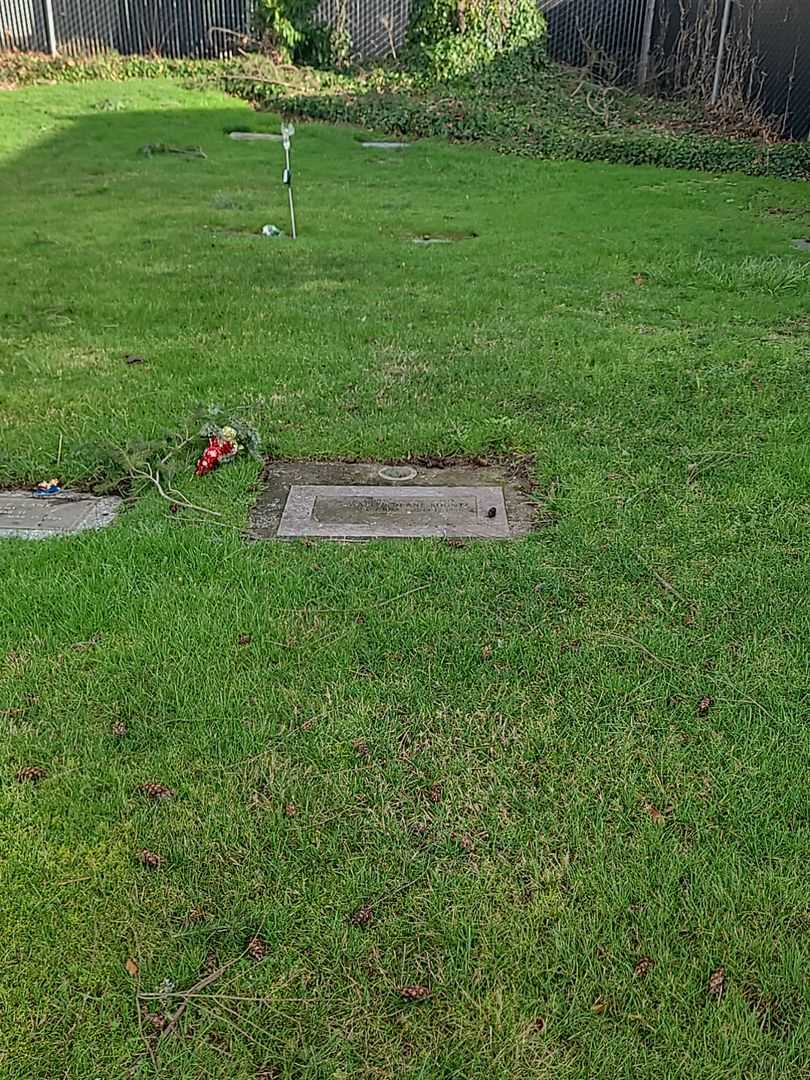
(717, 983)
(435, 793)
(414, 993)
(704, 705)
(132, 968)
(244, 639)
(640, 279)
(599, 1006)
(655, 814)
(83, 646)
(536, 1027)
(361, 749)
(486, 652)
(290, 809)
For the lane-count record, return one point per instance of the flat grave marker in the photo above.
(371, 512)
(22, 516)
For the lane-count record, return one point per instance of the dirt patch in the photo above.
(787, 211)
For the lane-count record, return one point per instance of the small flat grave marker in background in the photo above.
(369, 501)
(254, 136)
(27, 518)
(372, 145)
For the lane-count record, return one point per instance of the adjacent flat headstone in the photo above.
(802, 244)
(28, 518)
(370, 145)
(367, 512)
(254, 136)
(443, 238)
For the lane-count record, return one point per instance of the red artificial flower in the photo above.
(217, 451)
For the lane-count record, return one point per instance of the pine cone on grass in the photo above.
(362, 916)
(717, 983)
(256, 949)
(155, 790)
(414, 993)
(119, 729)
(150, 859)
(31, 774)
(643, 967)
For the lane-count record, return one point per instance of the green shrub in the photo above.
(288, 34)
(505, 127)
(23, 69)
(452, 37)
(536, 118)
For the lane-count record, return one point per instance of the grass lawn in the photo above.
(538, 803)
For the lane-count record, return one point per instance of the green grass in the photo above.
(669, 426)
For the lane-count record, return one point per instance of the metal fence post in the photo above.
(49, 27)
(646, 43)
(721, 48)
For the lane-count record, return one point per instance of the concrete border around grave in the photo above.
(510, 477)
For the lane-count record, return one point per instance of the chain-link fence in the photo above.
(604, 36)
(370, 28)
(674, 44)
(728, 52)
(193, 28)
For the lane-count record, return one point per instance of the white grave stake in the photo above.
(287, 132)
